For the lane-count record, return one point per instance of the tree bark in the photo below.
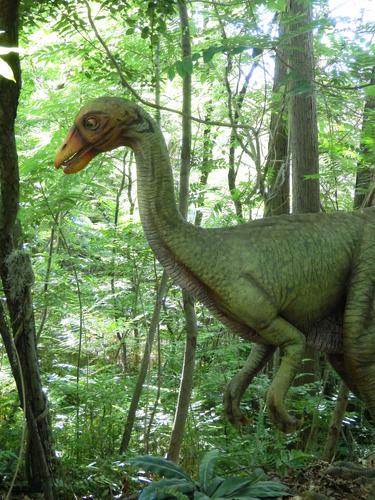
(16, 274)
(206, 166)
(186, 384)
(302, 111)
(277, 164)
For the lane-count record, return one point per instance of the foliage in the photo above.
(178, 484)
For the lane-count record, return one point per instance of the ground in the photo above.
(341, 481)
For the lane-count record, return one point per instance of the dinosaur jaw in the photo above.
(75, 153)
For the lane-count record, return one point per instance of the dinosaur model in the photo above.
(282, 281)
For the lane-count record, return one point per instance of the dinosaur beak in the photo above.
(75, 153)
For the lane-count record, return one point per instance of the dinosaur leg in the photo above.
(338, 363)
(292, 343)
(260, 354)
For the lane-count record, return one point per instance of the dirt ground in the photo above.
(340, 480)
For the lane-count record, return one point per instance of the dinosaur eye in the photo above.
(91, 123)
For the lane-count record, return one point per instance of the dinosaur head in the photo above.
(102, 125)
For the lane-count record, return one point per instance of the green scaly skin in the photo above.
(272, 281)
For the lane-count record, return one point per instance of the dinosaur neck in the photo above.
(181, 248)
(161, 220)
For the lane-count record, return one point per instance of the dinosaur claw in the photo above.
(232, 411)
(280, 417)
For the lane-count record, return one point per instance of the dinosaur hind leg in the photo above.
(338, 363)
(275, 331)
(260, 354)
(292, 344)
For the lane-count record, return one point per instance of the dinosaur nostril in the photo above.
(64, 146)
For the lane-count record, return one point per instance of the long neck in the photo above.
(180, 247)
(161, 220)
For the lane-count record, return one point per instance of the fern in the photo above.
(178, 484)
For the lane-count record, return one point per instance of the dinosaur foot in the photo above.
(280, 417)
(232, 411)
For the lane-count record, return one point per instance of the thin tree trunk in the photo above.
(206, 166)
(157, 397)
(336, 423)
(144, 365)
(46, 281)
(16, 274)
(277, 164)
(116, 314)
(186, 384)
(302, 111)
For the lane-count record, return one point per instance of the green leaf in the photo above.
(171, 72)
(160, 466)
(165, 488)
(265, 489)
(213, 485)
(184, 67)
(6, 71)
(145, 32)
(370, 91)
(209, 53)
(187, 64)
(232, 485)
(206, 469)
(253, 486)
(198, 495)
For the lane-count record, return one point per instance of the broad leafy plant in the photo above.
(177, 484)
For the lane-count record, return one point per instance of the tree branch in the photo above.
(137, 96)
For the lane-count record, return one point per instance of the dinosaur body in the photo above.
(279, 282)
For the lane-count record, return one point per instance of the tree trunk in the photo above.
(16, 275)
(206, 166)
(144, 365)
(365, 182)
(121, 335)
(302, 111)
(186, 384)
(277, 164)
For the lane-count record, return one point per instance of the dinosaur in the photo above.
(280, 282)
